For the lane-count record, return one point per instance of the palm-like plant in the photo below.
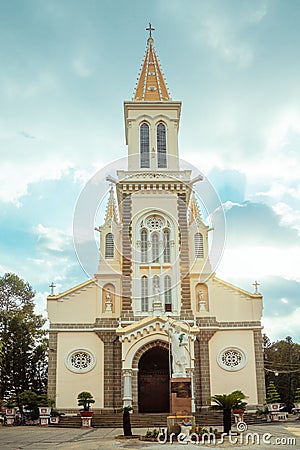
(227, 402)
(126, 420)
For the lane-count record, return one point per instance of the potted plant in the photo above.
(297, 398)
(228, 402)
(54, 416)
(126, 420)
(29, 405)
(273, 401)
(45, 404)
(10, 412)
(85, 399)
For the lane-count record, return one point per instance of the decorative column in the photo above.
(52, 363)
(127, 387)
(259, 365)
(202, 371)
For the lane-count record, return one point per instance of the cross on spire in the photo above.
(150, 29)
(52, 286)
(256, 284)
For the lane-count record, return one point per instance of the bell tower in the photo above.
(152, 119)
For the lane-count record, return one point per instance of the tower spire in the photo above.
(151, 84)
(194, 209)
(111, 209)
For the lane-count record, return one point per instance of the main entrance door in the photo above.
(153, 381)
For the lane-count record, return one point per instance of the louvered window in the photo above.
(145, 294)
(199, 250)
(161, 146)
(144, 245)
(109, 245)
(144, 145)
(168, 293)
(155, 247)
(166, 246)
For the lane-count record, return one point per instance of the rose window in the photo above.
(232, 359)
(80, 361)
(154, 223)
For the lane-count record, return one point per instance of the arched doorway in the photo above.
(153, 381)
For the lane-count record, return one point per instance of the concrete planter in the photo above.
(86, 419)
(54, 420)
(44, 415)
(10, 415)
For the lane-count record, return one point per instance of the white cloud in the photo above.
(282, 326)
(53, 238)
(260, 262)
(288, 215)
(14, 180)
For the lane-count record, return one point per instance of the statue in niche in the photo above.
(201, 300)
(108, 301)
(179, 342)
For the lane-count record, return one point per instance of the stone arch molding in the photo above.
(142, 350)
(134, 351)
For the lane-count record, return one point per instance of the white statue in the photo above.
(108, 302)
(179, 341)
(201, 301)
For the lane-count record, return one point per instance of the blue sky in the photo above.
(67, 67)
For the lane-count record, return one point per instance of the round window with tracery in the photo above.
(154, 223)
(232, 358)
(80, 361)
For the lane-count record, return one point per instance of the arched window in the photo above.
(166, 246)
(109, 245)
(144, 294)
(168, 293)
(144, 245)
(198, 241)
(144, 145)
(155, 247)
(161, 146)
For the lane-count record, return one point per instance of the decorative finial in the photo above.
(52, 286)
(150, 29)
(256, 284)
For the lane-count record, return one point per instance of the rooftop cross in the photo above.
(52, 286)
(150, 29)
(256, 284)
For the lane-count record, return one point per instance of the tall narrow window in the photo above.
(144, 145)
(155, 247)
(161, 146)
(145, 294)
(166, 246)
(144, 245)
(198, 241)
(109, 245)
(168, 293)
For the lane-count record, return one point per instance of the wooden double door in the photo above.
(154, 381)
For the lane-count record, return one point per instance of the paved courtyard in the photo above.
(37, 438)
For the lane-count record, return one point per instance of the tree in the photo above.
(227, 402)
(282, 366)
(23, 344)
(272, 394)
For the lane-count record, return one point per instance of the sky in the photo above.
(66, 68)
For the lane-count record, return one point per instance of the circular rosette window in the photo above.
(232, 358)
(80, 361)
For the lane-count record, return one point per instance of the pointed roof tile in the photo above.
(151, 85)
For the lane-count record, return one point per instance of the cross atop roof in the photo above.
(150, 29)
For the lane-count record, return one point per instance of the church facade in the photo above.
(111, 334)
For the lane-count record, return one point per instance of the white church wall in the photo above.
(69, 383)
(224, 381)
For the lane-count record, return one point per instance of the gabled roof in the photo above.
(151, 85)
(72, 290)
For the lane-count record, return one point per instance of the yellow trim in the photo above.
(70, 291)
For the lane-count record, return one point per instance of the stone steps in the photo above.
(138, 420)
